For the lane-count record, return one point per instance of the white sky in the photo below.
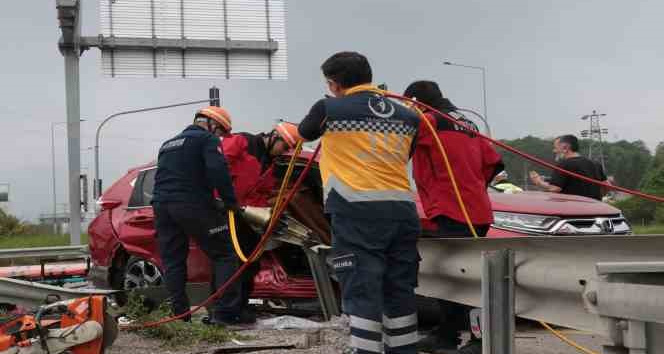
(548, 63)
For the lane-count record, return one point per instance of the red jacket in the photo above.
(474, 163)
(251, 169)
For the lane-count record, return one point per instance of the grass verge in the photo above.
(173, 334)
(30, 241)
(648, 230)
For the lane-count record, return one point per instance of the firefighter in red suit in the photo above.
(250, 161)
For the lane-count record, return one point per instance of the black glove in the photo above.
(223, 207)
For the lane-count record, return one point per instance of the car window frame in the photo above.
(138, 188)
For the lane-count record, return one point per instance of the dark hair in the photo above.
(347, 69)
(429, 93)
(570, 140)
(426, 92)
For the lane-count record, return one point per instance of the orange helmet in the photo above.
(288, 132)
(217, 114)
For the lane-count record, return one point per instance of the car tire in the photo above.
(141, 273)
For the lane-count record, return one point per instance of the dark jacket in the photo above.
(190, 166)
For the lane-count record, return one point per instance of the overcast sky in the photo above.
(549, 62)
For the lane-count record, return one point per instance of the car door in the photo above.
(137, 229)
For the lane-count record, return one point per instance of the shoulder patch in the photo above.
(173, 144)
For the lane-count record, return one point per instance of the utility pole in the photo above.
(215, 100)
(70, 47)
(595, 133)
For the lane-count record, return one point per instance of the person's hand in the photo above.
(221, 206)
(235, 208)
(535, 177)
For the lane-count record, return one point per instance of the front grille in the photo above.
(616, 225)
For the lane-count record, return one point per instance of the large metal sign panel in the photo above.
(246, 39)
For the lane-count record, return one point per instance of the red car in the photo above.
(124, 254)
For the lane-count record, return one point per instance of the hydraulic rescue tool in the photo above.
(77, 326)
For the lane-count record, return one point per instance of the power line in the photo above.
(595, 133)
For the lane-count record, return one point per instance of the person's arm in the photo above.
(549, 187)
(312, 126)
(492, 162)
(217, 172)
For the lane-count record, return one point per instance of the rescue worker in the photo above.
(475, 163)
(502, 183)
(189, 167)
(366, 144)
(249, 159)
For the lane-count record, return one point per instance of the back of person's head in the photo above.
(570, 140)
(347, 69)
(424, 91)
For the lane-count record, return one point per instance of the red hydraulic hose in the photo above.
(533, 158)
(243, 267)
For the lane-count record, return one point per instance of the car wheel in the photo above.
(140, 273)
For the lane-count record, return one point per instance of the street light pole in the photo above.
(55, 203)
(483, 70)
(97, 181)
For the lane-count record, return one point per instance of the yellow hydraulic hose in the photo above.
(446, 161)
(236, 242)
(282, 190)
(567, 340)
(289, 171)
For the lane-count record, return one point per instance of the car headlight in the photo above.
(524, 222)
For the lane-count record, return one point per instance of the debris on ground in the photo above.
(292, 322)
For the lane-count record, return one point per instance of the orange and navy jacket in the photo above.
(251, 168)
(367, 141)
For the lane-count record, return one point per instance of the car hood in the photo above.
(550, 204)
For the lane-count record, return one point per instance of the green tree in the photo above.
(641, 211)
(517, 167)
(11, 225)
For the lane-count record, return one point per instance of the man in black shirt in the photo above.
(566, 149)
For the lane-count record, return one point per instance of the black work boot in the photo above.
(244, 318)
(439, 340)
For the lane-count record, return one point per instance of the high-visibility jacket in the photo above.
(366, 144)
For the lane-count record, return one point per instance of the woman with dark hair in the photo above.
(475, 163)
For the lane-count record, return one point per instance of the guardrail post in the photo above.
(498, 302)
(317, 257)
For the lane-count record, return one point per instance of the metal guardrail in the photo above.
(46, 252)
(29, 294)
(556, 278)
